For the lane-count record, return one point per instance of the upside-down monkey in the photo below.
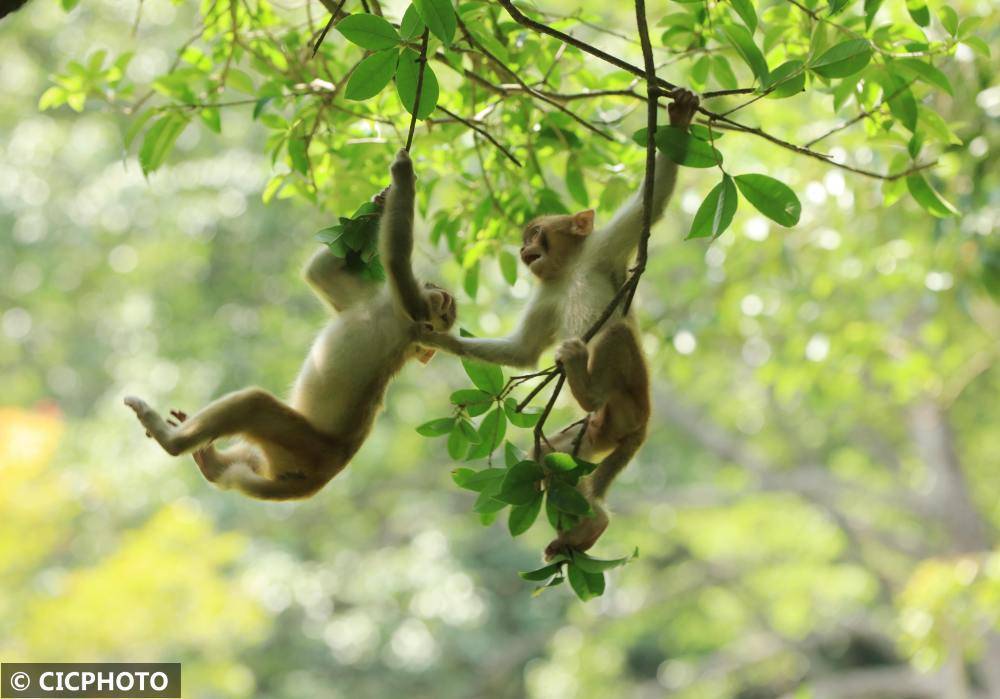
(291, 450)
(579, 271)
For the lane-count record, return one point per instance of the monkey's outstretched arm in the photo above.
(521, 348)
(614, 243)
(396, 239)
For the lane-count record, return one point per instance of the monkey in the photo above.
(579, 271)
(290, 450)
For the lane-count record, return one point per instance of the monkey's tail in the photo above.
(615, 462)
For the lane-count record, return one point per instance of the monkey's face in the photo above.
(551, 242)
(442, 307)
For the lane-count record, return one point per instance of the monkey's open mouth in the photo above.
(529, 257)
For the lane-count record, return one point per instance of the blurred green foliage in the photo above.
(816, 504)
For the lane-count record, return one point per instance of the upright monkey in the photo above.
(289, 451)
(579, 271)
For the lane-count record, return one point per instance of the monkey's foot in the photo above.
(156, 426)
(582, 536)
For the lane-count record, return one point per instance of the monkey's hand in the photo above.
(379, 199)
(402, 169)
(573, 353)
(683, 108)
(428, 337)
(582, 536)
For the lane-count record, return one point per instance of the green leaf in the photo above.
(915, 68)
(716, 211)
(474, 401)
(598, 565)
(478, 481)
(136, 126)
(68, 5)
(238, 80)
(158, 141)
(512, 455)
(844, 59)
(526, 418)
(523, 516)
(258, 107)
(211, 118)
(949, 19)
(491, 432)
(439, 16)
(574, 181)
(723, 72)
(54, 97)
(436, 428)
(568, 499)
(486, 504)
(919, 12)
(787, 80)
(520, 485)
(368, 31)
(406, 84)
(772, 198)
(508, 267)
(468, 431)
(681, 147)
(371, 75)
(928, 198)
(741, 40)
(973, 42)
(486, 377)
(837, 5)
(457, 444)
(699, 73)
(543, 573)
(585, 585)
(411, 25)
(297, 152)
(902, 103)
(471, 281)
(871, 9)
(744, 8)
(560, 461)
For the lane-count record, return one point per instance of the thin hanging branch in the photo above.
(334, 14)
(627, 291)
(422, 60)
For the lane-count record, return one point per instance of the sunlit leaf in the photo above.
(368, 31)
(371, 75)
(716, 211)
(844, 59)
(439, 16)
(928, 198)
(406, 84)
(772, 198)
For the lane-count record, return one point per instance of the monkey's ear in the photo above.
(583, 222)
(424, 355)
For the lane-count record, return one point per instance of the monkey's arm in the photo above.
(333, 283)
(521, 348)
(613, 244)
(396, 239)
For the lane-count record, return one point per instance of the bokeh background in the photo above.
(816, 507)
